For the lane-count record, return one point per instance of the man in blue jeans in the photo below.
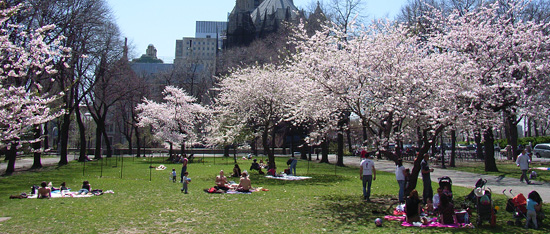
(292, 165)
(368, 174)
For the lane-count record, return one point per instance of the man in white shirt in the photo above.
(368, 174)
(523, 163)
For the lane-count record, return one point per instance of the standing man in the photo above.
(523, 163)
(293, 166)
(367, 174)
(183, 167)
(426, 180)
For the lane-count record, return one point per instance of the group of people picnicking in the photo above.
(45, 190)
(440, 204)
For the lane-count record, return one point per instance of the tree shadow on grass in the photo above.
(349, 210)
(317, 179)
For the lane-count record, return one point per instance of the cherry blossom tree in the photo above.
(25, 57)
(254, 99)
(509, 60)
(177, 120)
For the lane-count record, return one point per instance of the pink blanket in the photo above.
(432, 222)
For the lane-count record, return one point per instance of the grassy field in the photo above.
(506, 169)
(146, 201)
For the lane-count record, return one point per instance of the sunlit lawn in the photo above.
(506, 169)
(146, 201)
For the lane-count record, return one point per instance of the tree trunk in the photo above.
(511, 129)
(107, 143)
(348, 134)
(98, 135)
(138, 143)
(490, 163)
(226, 151)
(46, 137)
(254, 148)
(340, 142)
(413, 178)
(64, 139)
(82, 135)
(171, 150)
(453, 148)
(265, 143)
(427, 142)
(36, 146)
(11, 155)
(442, 152)
(303, 151)
(529, 124)
(364, 131)
(324, 151)
(273, 141)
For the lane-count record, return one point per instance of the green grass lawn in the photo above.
(146, 201)
(506, 169)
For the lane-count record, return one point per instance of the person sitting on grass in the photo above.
(256, 166)
(44, 191)
(63, 186)
(221, 182)
(236, 171)
(446, 210)
(245, 184)
(86, 188)
(413, 207)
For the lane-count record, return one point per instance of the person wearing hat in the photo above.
(255, 165)
(367, 171)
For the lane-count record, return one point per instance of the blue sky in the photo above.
(162, 22)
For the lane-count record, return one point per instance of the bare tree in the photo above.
(343, 12)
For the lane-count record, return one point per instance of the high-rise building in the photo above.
(211, 29)
(192, 50)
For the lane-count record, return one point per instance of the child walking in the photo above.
(173, 173)
(185, 182)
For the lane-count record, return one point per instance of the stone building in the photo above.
(251, 19)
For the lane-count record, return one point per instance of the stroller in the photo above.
(517, 205)
(481, 198)
(472, 196)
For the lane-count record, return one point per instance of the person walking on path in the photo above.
(426, 180)
(368, 174)
(400, 177)
(183, 167)
(522, 162)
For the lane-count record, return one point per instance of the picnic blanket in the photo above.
(68, 193)
(288, 177)
(231, 191)
(432, 222)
